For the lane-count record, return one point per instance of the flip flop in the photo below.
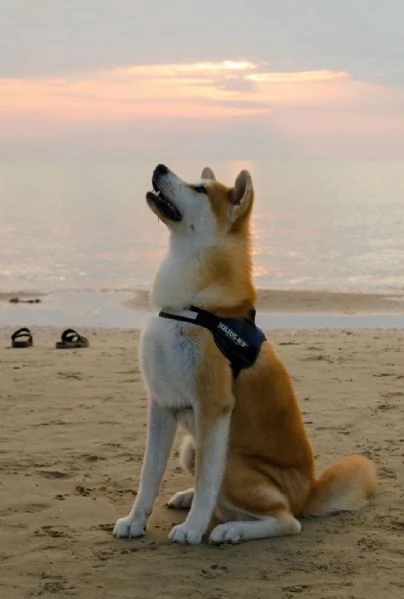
(70, 339)
(21, 338)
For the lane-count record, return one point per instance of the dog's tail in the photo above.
(344, 486)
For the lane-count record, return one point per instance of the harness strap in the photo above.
(239, 339)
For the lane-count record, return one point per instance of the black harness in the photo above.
(239, 339)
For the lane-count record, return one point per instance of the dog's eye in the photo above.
(200, 189)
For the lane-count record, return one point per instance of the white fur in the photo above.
(209, 474)
(235, 532)
(182, 500)
(164, 353)
(196, 232)
(169, 361)
(160, 436)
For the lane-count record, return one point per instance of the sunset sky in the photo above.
(290, 78)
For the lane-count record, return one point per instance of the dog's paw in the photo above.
(127, 528)
(182, 500)
(226, 533)
(185, 534)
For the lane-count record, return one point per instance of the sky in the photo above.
(220, 78)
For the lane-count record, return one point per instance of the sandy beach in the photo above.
(233, 142)
(72, 438)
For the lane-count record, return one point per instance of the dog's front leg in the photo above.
(212, 431)
(160, 435)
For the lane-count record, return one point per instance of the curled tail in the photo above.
(344, 486)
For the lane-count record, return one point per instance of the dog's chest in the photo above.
(169, 359)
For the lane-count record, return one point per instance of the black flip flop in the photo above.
(21, 338)
(70, 339)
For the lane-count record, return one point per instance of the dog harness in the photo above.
(239, 339)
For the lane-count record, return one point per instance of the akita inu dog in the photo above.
(248, 448)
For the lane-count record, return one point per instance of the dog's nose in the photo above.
(161, 169)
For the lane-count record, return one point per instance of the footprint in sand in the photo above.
(54, 474)
(52, 531)
(31, 508)
(55, 585)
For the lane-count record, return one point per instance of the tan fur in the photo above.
(214, 390)
(344, 486)
(249, 453)
(270, 466)
(228, 265)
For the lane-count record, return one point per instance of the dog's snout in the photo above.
(158, 172)
(161, 169)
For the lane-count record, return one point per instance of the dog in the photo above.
(247, 447)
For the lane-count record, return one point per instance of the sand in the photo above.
(72, 437)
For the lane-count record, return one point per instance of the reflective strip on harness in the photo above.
(239, 339)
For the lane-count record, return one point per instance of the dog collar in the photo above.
(239, 339)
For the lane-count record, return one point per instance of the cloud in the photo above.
(324, 104)
(188, 90)
(128, 93)
(298, 77)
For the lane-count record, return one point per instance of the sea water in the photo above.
(316, 225)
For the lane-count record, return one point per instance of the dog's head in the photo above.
(209, 259)
(206, 210)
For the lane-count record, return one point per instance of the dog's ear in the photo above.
(241, 196)
(207, 173)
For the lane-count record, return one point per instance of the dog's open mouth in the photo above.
(161, 205)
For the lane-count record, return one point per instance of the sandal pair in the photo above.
(70, 339)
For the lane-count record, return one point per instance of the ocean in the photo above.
(69, 226)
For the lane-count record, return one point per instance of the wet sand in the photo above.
(298, 302)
